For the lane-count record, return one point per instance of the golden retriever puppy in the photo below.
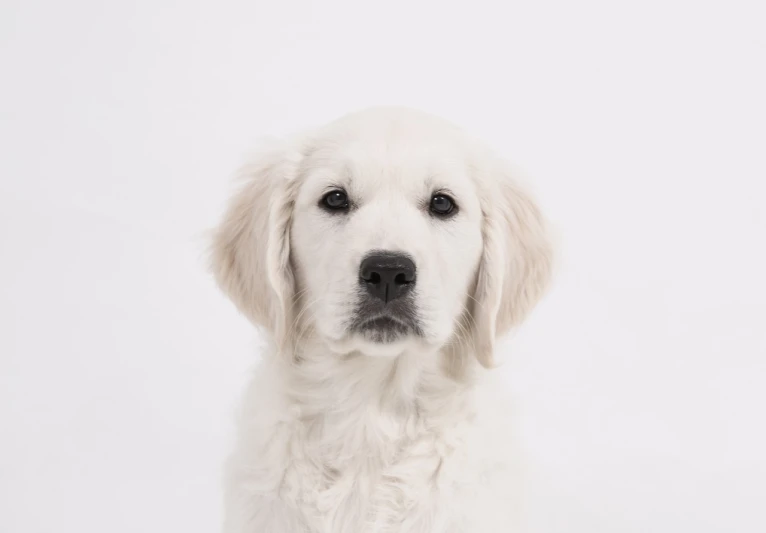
(382, 255)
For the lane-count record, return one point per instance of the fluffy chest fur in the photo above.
(366, 445)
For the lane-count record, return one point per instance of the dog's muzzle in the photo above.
(386, 310)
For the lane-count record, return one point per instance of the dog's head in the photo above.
(384, 230)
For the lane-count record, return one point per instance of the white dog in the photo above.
(383, 254)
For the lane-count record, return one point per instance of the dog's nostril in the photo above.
(374, 278)
(400, 279)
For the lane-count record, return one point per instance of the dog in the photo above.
(382, 255)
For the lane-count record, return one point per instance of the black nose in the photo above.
(387, 275)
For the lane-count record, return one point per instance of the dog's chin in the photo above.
(379, 337)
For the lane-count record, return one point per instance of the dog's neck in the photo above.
(368, 401)
(382, 380)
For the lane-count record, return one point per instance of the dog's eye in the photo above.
(442, 205)
(335, 200)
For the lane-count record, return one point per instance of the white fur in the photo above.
(339, 434)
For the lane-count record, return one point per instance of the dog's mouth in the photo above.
(384, 323)
(385, 328)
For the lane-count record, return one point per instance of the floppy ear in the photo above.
(251, 246)
(515, 265)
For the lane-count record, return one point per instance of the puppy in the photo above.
(382, 255)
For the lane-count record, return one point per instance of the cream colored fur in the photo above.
(340, 435)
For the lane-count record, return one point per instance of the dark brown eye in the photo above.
(442, 205)
(335, 200)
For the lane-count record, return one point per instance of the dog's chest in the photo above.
(359, 467)
(380, 476)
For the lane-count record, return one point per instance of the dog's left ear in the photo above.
(251, 246)
(516, 262)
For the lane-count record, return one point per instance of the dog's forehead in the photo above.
(401, 156)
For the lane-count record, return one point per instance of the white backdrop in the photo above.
(640, 380)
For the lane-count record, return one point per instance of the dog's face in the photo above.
(385, 230)
(386, 237)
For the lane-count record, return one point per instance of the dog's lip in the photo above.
(383, 322)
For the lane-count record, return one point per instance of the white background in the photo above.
(641, 379)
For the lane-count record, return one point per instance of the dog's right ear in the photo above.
(251, 246)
